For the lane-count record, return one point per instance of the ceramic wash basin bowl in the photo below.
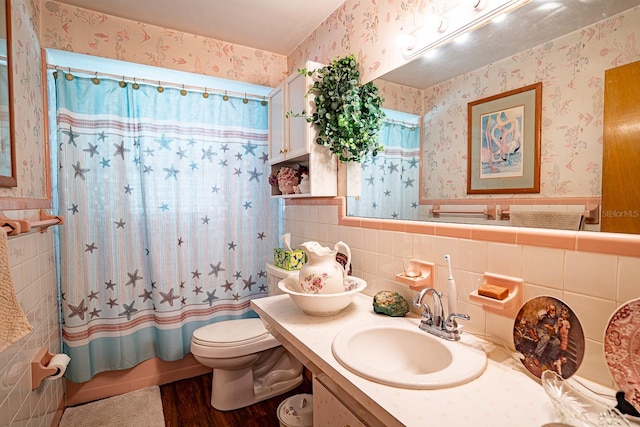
(322, 304)
(399, 354)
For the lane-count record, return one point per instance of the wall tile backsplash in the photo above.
(33, 272)
(593, 285)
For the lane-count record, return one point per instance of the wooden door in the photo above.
(621, 150)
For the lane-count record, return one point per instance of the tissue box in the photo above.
(289, 260)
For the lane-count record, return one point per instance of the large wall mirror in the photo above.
(8, 176)
(567, 45)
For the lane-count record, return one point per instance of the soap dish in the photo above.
(424, 280)
(507, 307)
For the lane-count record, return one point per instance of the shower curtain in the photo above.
(390, 181)
(168, 218)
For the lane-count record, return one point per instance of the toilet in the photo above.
(249, 364)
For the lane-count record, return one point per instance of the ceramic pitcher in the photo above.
(322, 274)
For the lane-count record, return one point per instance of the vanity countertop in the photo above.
(504, 395)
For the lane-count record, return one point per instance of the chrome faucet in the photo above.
(433, 321)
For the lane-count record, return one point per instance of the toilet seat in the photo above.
(231, 333)
(232, 338)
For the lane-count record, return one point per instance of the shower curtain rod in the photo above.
(400, 122)
(159, 83)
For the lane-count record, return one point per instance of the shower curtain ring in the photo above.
(183, 92)
(245, 100)
(160, 88)
(122, 83)
(225, 97)
(69, 76)
(205, 95)
(95, 79)
(135, 86)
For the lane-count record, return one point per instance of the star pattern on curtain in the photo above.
(170, 219)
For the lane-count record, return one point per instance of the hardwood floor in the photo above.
(187, 403)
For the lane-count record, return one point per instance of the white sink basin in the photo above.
(399, 354)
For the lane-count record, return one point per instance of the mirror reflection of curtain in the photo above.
(390, 180)
(168, 221)
(5, 133)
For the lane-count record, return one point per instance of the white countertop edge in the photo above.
(504, 395)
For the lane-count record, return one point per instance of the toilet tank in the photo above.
(275, 274)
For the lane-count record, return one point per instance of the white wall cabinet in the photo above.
(276, 124)
(292, 139)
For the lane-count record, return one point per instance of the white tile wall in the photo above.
(593, 285)
(33, 271)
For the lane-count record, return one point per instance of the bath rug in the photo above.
(139, 408)
(13, 322)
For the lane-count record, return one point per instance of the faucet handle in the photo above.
(450, 324)
(426, 314)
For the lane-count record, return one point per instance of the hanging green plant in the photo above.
(347, 114)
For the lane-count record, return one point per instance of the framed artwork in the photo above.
(504, 142)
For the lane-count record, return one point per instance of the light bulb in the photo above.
(477, 4)
(435, 22)
(462, 38)
(430, 54)
(499, 18)
(405, 41)
(444, 23)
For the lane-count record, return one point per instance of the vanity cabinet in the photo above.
(292, 139)
(328, 411)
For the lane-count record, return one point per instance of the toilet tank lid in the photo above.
(232, 332)
(281, 273)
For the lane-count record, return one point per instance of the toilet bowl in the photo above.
(249, 364)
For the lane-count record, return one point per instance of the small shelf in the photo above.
(507, 307)
(291, 196)
(420, 282)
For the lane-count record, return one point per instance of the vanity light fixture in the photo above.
(437, 31)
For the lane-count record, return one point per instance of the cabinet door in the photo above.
(277, 135)
(329, 411)
(298, 127)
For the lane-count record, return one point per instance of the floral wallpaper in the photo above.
(400, 98)
(571, 69)
(37, 24)
(366, 28)
(28, 106)
(80, 30)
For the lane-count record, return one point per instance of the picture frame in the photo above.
(504, 142)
